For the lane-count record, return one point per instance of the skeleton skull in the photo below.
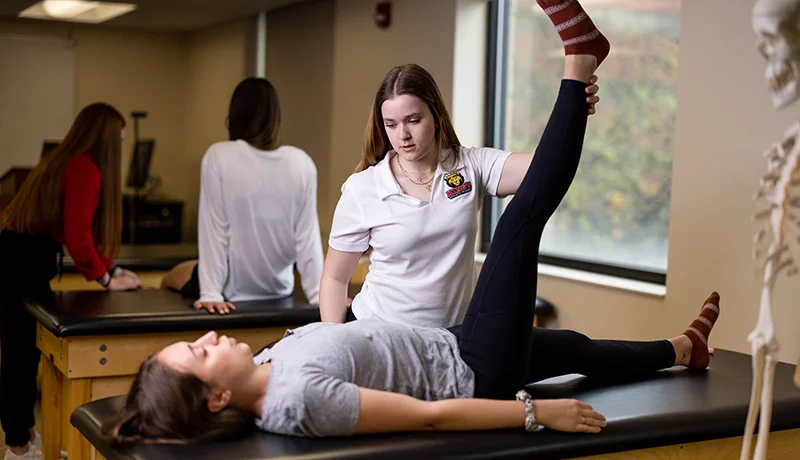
(777, 23)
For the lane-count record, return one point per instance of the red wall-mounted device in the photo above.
(383, 14)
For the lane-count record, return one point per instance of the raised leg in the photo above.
(495, 336)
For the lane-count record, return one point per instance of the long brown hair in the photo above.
(37, 209)
(416, 81)
(254, 114)
(165, 406)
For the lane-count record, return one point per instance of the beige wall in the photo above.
(216, 63)
(138, 71)
(184, 82)
(422, 32)
(304, 85)
(718, 164)
(469, 71)
(725, 121)
(326, 59)
(131, 71)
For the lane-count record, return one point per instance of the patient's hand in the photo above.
(223, 308)
(568, 415)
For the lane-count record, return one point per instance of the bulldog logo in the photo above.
(458, 185)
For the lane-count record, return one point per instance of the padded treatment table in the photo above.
(663, 416)
(93, 342)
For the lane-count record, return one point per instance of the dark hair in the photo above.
(254, 114)
(416, 81)
(37, 209)
(165, 406)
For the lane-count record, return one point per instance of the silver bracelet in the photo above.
(531, 424)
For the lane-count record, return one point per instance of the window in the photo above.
(615, 217)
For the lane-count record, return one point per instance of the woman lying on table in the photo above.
(368, 376)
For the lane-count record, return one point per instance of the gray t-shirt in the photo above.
(317, 369)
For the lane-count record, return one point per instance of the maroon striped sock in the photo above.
(699, 331)
(576, 29)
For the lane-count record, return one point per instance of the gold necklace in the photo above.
(427, 183)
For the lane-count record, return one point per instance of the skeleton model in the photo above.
(777, 23)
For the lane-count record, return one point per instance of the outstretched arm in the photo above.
(382, 412)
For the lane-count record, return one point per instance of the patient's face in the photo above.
(219, 361)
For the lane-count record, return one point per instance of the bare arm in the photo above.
(338, 269)
(514, 170)
(382, 412)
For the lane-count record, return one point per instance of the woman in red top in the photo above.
(72, 198)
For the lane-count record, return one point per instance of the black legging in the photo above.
(27, 263)
(496, 339)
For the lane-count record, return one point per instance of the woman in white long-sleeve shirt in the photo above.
(258, 211)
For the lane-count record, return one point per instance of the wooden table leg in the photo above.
(52, 403)
(76, 393)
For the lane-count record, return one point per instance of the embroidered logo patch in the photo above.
(458, 186)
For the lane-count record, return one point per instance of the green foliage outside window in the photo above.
(617, 209)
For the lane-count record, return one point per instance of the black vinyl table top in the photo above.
(670, 407)
(82, 313)
(144, 257)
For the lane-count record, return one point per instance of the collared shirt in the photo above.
(257, 218)
(422, 263)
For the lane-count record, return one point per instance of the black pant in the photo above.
(496, 339)
(27, 264)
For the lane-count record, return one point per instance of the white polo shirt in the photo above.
(422, 264)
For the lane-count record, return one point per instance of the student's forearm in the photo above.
(477, 414)
(332, 300)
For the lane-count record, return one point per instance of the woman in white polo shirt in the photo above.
(258, 212)
(414, 202)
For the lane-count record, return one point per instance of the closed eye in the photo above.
(201, 355)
